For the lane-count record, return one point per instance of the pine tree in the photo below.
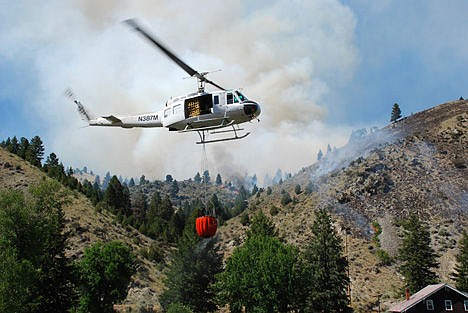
(97, 192)
(396, 113)
(197, 178)
(36, 151)
(158, 219)
(213, 207)
(160, 208)
(206, 177)
(460, 274)
(192, 271)
(254, 190)
(6, 144)
(319, 155)
(417, 256)
(87, 189)
(116, 197)
(143, 180)
(23, 148)
(176, 226)
(325, 269)
(97, 180)
(51, 161)
(106, 181)
(155, 203)
(286, 198)
(297, 189)
(13, 146)
(126, 200)
(53, 168)
(174, 189)
(240, 203)
(219, 181)
(139, 200)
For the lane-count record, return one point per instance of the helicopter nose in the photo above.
(252, 109)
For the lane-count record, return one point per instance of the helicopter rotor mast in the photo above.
(193, 73)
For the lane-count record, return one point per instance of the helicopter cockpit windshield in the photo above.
(234, 97)
(241, 96)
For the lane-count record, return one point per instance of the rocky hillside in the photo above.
(87, 226)
(416, 165)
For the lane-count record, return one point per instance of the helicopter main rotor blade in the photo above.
(132, 23)
(211, 83)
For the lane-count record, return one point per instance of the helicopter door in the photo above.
(197, 106)
(231, 98)
(219, 103)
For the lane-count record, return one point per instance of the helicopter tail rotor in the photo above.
(193, 73)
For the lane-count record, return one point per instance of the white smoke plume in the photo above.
(284, 54)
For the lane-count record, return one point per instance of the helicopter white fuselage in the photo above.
(202, 112)
(191, 112)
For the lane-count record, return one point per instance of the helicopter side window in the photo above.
(229, 98)
(216, 99)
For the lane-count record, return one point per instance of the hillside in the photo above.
(87, 226)
(416, 165)
(187, 190)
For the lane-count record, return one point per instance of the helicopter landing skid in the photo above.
(204, 133)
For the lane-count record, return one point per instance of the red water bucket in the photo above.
(206, 226)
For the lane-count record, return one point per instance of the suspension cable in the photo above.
(204, 166)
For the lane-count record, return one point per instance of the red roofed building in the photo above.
(434, 299)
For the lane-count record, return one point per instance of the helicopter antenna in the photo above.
(193, 73)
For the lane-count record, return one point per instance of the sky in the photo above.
(319, 69)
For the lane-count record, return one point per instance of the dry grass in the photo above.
(87, 226)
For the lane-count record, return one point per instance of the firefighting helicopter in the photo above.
(207, 113)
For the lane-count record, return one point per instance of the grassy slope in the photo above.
(87, 226)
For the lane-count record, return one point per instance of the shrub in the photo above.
(274, 211)
(298, 190)
(286, 199)
(384, 258)
(245, 220)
